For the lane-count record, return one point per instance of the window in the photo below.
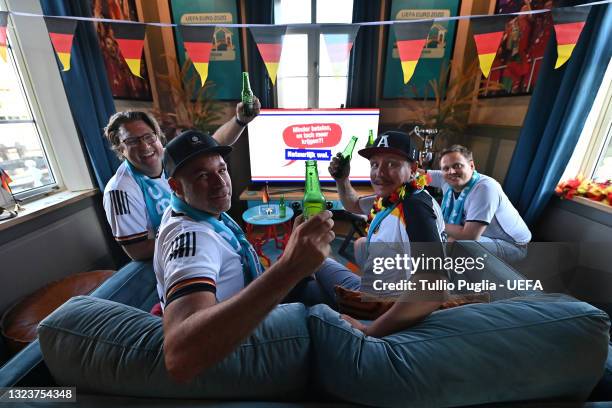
(41, 143)
(22, 154)
(592, 156)
(306, 76)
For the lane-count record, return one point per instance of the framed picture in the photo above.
(521, 51)
(225, 67)
(435, 56)
(123, 84)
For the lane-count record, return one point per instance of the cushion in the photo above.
(518, 349)
(101, 346)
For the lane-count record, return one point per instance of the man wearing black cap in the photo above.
(403, 218)
(209, 278)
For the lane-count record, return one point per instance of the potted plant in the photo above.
(194, 107)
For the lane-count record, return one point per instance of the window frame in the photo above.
(600, 139)
(33, 108)
(42, 84)
(313, 33)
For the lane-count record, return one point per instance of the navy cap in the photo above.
(392, 141)
(188, 145)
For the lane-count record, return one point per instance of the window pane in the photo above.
(13, 104)
(603, 170)
(23, 158)
(294, 59)
(293, 93)
(332, 91)
(326, 68)
(337, 11)
(21, 151)
(292, 12)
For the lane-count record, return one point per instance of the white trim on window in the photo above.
(40, 73)
(595, 133)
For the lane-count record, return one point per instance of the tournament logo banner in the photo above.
(61, 33)
(568, 23)
(130, 39)
(339, 42)
(488, 33)
(3, 21)
(410, 39)
(269, 42)
(198, 43)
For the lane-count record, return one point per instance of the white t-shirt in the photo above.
(487, 203)
(125, 207)
(188, 252)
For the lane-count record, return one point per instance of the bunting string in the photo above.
(411, 36)
(304, 25)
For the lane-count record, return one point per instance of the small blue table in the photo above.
(267, 216)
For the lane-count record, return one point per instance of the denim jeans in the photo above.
(320, 287)
(504, 250)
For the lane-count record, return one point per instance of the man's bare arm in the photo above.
(231, 130)
(140, 251)
(199, 333)
(348, 196)
(414, 306)
(470, 231)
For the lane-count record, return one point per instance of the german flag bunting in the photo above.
(61, 32)
(130, 39)
(568, 23)
(269, 42)
(5, 180)
(339, 41)
(488, 33)
(3, 21)
(198, 43)
(266, 195)
(410, 39)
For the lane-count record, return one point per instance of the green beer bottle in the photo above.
(282, 207)
(370, 139)
(314, 201)
(347, 153)
(247, 95)
(345, 156)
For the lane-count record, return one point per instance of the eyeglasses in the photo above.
(149, 138)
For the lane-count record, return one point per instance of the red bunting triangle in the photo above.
(488, 33)
(198, 44)
(339, 41)
(269, 42)
(61, 33)
(3, 22)
(130, 40)
(410, 39)
(568, 23)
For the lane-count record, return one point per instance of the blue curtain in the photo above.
(559, 107)
(87, 88)
(259, 12)
(362, 66)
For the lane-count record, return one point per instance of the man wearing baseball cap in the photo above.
(402, 218)
(209, 278)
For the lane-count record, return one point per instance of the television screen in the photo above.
(280, 140)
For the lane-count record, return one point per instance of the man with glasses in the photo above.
(476, 208)
(137, 195)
